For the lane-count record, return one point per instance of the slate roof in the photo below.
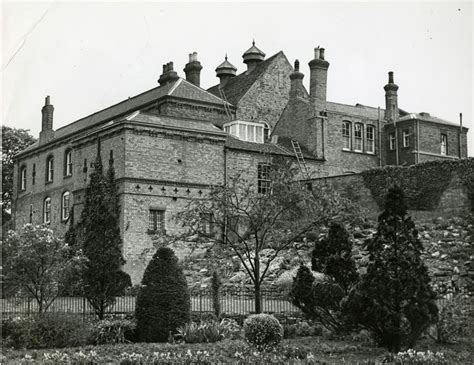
(180, 88)
(426, 118)
(238, 86)
(358, 110)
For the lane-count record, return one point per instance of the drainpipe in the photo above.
(323, 136)
(460, 135)
(396, 141)
(417, 141)
(379, 138)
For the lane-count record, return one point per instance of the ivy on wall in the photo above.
(423, 184)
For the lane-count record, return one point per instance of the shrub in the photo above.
(163, 303)
(413, 357)
(451, 323)
(48, 330)
(263, 330)
(208, 331)
(112, 331)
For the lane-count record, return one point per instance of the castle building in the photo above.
(174, 142)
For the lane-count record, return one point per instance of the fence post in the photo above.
(84, 307)
(200, 301)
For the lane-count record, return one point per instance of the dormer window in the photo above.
(248, 131)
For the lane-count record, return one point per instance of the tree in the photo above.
(13, 141)
(273, 216)
(100, 235)
(394, 300)
(163, 302)
(321, 301)
(39, 264)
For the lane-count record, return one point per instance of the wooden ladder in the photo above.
(226, 103)
(300, 159)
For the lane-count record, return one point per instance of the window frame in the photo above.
(370, 142)
(391, 141)
(263, 178)
(346, 126)
(444, 144)
(360, 138)
(64, 217)
(33, 175)
(68, 163)
(47, 210)
(23, 172)
(50, 169)
(406, 138)
(153, 227)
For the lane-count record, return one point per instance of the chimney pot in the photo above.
(46, 100)
(321, 54)
(390, 77)
(193, 69)
(190, 57)
(316, 53)
(297, 65)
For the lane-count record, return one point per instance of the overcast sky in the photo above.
(90, 55)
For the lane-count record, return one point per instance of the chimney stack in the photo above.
(296, 77)
(225, 71)
(391, 99)
(193, 69)
(318, 79)
(47, 132)
(168, 75)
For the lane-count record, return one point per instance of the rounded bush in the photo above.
(263, 330)
(163, 303)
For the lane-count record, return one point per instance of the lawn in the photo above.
(325, 351)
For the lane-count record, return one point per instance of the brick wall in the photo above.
(267, 97)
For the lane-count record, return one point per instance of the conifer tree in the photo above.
(103, 277)
(394, 300)
(163, 303)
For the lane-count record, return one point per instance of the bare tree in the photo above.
(246, 217)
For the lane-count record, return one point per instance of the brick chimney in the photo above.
(296, 77)
(193, 69)
(318, 79)
(168, 75)
(225, 71)
(391, 99)
(47, 132)
(252, 57)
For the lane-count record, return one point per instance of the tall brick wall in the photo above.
(267, 97)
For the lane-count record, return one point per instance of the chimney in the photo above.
(391, 99)
(193, 69)
(252, 57)
(168, 75)
(318, 79)
(296, 77)
(47, 132)
(225, 71)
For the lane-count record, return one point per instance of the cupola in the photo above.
(252, 57)
(225, 71)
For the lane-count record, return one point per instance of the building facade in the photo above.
(173, 143)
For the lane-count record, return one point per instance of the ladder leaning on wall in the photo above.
(300, 159)
(226, 103)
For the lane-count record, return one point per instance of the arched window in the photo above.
(47, 210)
(346, 135)
(68, 163)
(266, 131)
(50, 169)
(65, 205)
(23, 178)
(358, 133)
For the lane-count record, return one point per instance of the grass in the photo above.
(325, 351)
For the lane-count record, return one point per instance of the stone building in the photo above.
(172, 143)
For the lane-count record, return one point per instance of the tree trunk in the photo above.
(258, 303)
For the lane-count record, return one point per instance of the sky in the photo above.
(90, 55)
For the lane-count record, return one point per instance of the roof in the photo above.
(238, 86)
(426, 117)
(180, 88)
(355, 110)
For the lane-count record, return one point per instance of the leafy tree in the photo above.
(322, 300)
(39, 264)
(100, 235)
(273, 218)
(13, 141)
(163, 302)
(394, 300)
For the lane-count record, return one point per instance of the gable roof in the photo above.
(180, 88)
(238, 86)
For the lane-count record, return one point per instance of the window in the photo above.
(242, 130)
(47, 210)
(444, 144)
(33, 174)
(50, 169)
(346, 135)
(206, 224)
(406, 138)
(370, 139)
(156, 223)
(68, 163)
(392, 141)
(266, 132)
(358, 137)
(251, 133)
(248, 131)
(23, 178)
(263, 178)
(65, 206)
